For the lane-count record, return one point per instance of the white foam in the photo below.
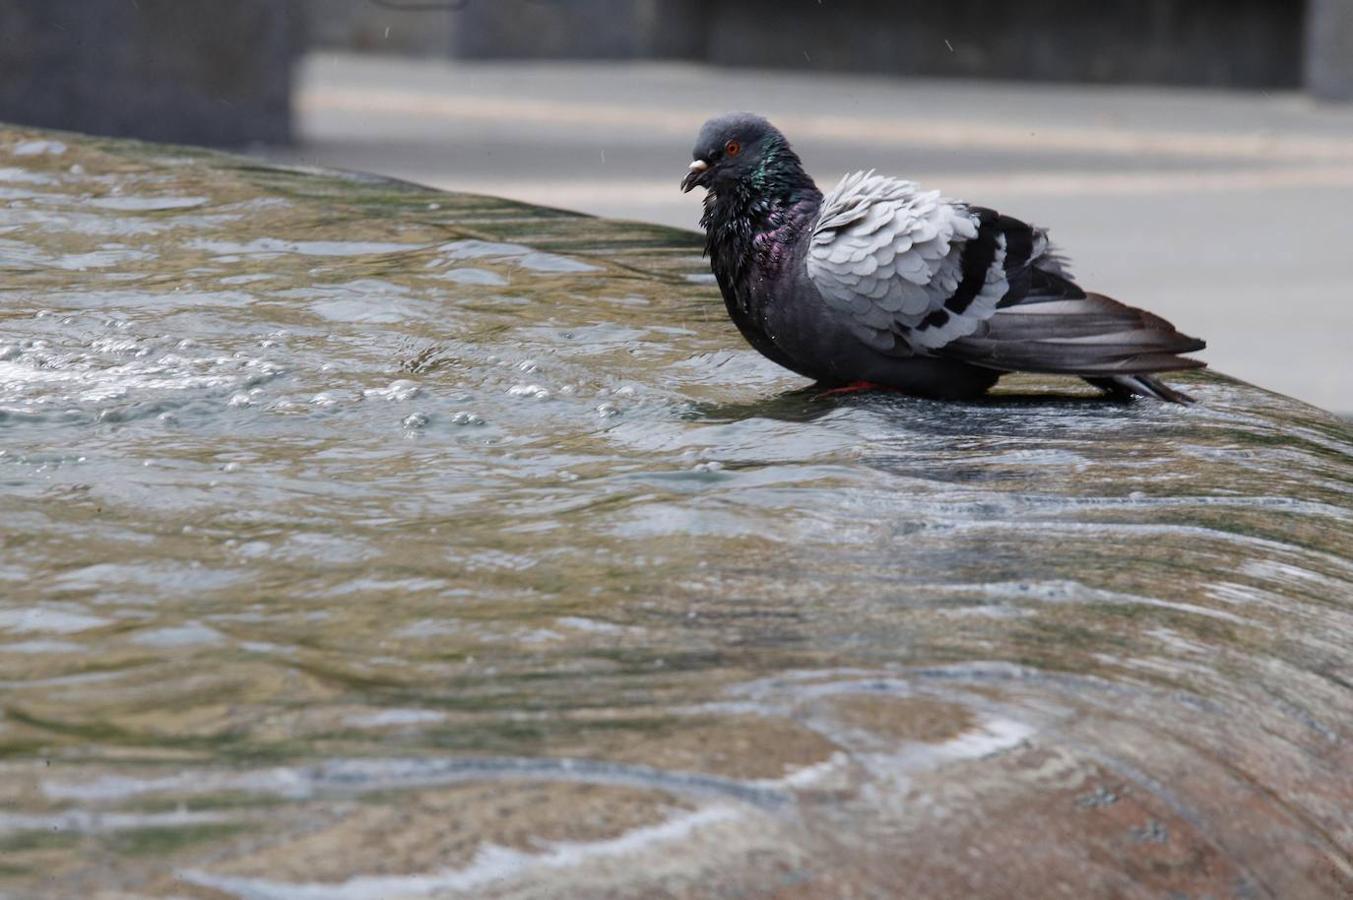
(387, 717)
(38, 148)
(83, 822)
(493, 863)
(52, 621)
(186, 635)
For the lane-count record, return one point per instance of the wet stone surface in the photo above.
(361, 541)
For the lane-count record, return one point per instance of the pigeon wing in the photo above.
(915, 274)
(912, 271)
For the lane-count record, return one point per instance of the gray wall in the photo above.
(366, 26)
(1240, 43)
(193, 71)
(1329, 49)
(1246, 43)
(580, 29)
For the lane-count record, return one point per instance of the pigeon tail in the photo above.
(1063, 330)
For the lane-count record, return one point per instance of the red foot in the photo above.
(853, 388)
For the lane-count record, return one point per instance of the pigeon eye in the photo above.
(732, 148)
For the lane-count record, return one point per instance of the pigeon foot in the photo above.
(854, 387)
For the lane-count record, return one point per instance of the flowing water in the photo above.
(362, 541)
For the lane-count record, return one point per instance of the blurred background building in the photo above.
(1193, 156)
(1218, 43)
(205, 71)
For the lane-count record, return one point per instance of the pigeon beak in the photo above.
(698, 168)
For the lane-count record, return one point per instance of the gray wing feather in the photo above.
(889, 254)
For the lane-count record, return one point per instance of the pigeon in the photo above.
(880, 284)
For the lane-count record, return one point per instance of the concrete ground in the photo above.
(1230, 214)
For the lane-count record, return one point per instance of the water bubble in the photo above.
(398, 390)
(324, 398)
(606, 410)
(528, 390)
(466, 418)
(416, 420)
(712, 465)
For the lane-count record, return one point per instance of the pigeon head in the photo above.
(736, 148)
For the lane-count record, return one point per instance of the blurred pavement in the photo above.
(1229, 213)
